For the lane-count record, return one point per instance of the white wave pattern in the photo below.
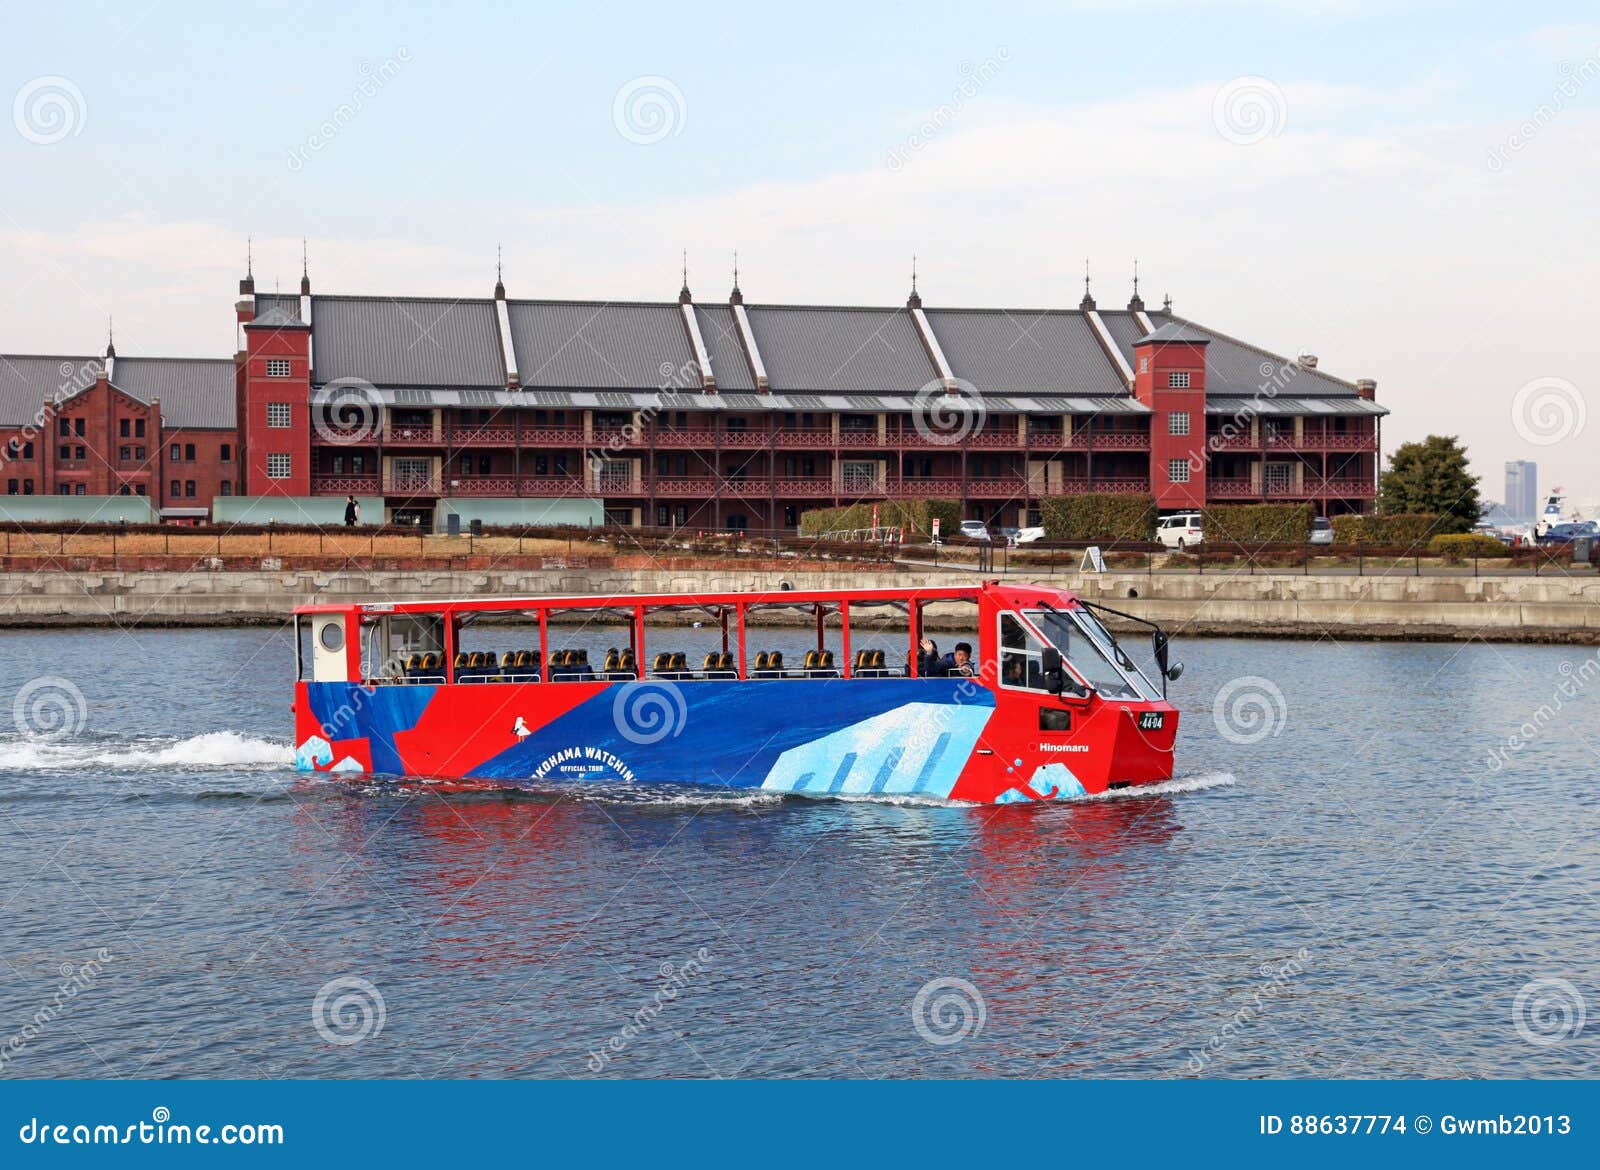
(215, 749)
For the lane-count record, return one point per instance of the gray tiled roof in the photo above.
(25, 383)
(1236, 367)
(194, 392)
(1025, 352)
(602, 344)
(1299, 404)
(407, 341)
(842, 350)
(1125, 329)
(720, 332)
(284, 303)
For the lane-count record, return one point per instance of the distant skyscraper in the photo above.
(1522, 489)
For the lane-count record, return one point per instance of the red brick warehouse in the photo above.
(714, 415)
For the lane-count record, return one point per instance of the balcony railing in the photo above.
(344, 485)
(401, 435)
(1109, 441)
(496, 436)
(1310, 488)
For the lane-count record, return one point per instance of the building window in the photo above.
(123, 491)
(64, 490)
(1177, 470)
(77, 427)
(175, 454)
(65, 454)
(138, 428)
(11, 487)
(278, 466)
(278, 414)
(27, 487)
(80, 453)
(188, 452)
(175, 489)
(1178, 379)
(1178, 422)
(80, 490)
(138, 489)
(65, 428)
(125, 454)
(358, 464)
(227, 488)
(138, 453)
(125, 429)
(277, 367)
(27, 450)
(661, 515)
(225, 453)
(615, 475)
(859, 476)
(680, 515)
(188, 488)
(1144, 363)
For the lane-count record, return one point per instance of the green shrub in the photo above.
(1258, 523)
(1458, 546)
(1398, 528)
(1107, 516)
(915, 516)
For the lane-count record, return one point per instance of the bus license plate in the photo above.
(1152, 720)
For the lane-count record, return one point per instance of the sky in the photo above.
(1406, 190)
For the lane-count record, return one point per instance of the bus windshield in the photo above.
(1094, 654)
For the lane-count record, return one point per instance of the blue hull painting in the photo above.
(815, 736)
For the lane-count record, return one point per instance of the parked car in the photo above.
(1566, 533)
(1029, 535)
(1321, 531)
(1180, 531)
(974, 530)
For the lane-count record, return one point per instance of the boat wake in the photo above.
(216, 749)
(1173, 787)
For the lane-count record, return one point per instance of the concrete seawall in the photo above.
(1539, 609)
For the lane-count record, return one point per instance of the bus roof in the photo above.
(698, 600)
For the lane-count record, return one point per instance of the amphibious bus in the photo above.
(1049, 705)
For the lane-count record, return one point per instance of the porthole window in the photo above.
(332, 636)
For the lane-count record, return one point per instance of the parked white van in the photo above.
(1180, 531)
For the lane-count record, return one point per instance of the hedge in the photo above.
(1457, 546)
(913, 515)
(1397, 528)
(1099, 516)
(1258, 523)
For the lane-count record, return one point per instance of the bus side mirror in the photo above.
(1050, 662)
(1161, 644)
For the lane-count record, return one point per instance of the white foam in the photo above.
(1167, 787)
(215, 749)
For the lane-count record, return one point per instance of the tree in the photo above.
(1432, 476)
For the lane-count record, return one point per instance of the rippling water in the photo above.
(1342, 882)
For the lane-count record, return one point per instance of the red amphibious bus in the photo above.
(825, 692)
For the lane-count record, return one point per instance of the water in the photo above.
(1354, 890)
